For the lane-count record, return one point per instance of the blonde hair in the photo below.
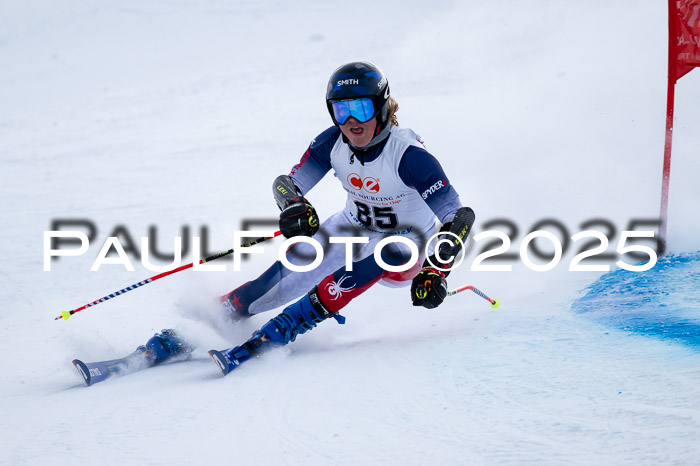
(391, 113)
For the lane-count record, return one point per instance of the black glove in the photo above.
(298, 218)
(429, 288)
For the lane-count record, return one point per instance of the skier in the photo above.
(395, 188)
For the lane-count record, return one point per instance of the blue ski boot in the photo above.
(164, 346)
(296, 319)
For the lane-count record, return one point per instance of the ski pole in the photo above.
(494, 302)
(66, 314)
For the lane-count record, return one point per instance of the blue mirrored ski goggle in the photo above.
(361, 109)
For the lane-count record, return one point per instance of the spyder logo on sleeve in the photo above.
(431, 190)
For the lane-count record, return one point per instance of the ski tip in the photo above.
(495, 304)
(83, 371)
(220, 361)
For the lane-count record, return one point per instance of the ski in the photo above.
(222, 361)
(166, 346)
(94, 372)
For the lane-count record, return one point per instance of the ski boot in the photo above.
(296, 319)
(164, 346)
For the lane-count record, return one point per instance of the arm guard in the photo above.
(284, 190)
(460, 225)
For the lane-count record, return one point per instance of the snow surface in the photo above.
(139, 113)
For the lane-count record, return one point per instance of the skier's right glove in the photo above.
(298, 218)
(429, 288)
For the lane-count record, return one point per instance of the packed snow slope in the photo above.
(175, 117)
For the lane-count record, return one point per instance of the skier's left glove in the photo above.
(429, 288)
(298, 218)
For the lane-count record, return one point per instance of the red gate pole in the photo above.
(670, 96)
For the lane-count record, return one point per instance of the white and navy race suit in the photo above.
(396, 188)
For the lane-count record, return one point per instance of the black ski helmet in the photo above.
(360, 79)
